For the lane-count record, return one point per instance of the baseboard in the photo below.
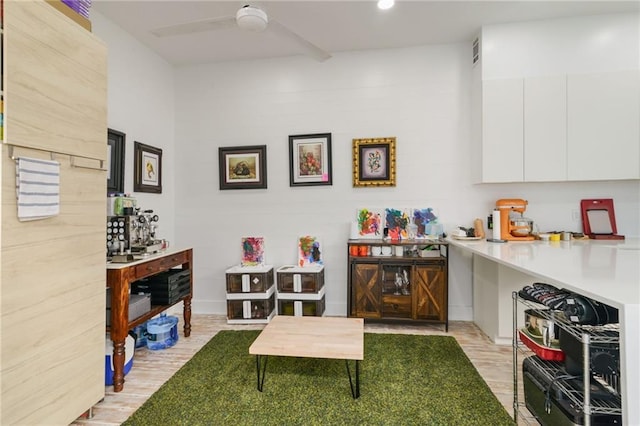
(217, 307)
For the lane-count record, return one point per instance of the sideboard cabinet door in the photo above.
(365, 287)
(430, 287)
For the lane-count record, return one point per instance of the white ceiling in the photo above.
(335, 26)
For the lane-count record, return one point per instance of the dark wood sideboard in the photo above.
(119, 279)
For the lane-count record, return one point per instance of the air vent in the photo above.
(476, 50)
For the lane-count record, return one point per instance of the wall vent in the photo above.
(476, 50)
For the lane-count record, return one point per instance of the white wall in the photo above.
(141, 105)
(420, 95)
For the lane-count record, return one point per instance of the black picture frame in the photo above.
(115, 161)
(147, 168)
(310, 159)
(243, 167)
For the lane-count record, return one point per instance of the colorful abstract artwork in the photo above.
(396, 222)
(425, 219)
(252, 251)
(369, 224)
(309, 252)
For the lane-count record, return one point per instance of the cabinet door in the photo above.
(545, 129)
(502, 131)
(603, 126)
(430, 292)
(55, 71)
(365, 290)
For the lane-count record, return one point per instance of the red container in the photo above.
(548, 354)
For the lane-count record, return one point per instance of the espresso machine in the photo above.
(133, 234)
(513, 225)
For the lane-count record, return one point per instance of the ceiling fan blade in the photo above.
(195, 26)
(310, 48)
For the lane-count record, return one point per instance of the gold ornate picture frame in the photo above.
(374, 162)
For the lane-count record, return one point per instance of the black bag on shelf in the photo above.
(544, 294)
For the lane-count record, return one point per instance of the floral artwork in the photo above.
(396, 221)
(424, 218)
(309, 251)
(369, 224)
(252, 251)
(310, 159)
(374, 162)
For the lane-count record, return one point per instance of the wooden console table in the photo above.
(119, 279)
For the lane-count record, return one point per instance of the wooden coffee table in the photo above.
(311, 337)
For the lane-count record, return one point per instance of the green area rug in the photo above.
(404, 380)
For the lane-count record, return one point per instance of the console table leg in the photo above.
(186, 313)
(118, 365)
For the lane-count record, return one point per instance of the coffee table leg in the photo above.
(261, 368)
(357, 378)
(355, 392)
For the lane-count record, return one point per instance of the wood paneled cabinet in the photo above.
(399, 286)
(52, 277)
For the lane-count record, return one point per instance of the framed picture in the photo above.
(374, 162)
(115, 161)
(310, 159)
(147, 168)
(243, 167)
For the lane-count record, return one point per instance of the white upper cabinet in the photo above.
(545, 129)
(502, 134)
(604, 126)
(558, 100)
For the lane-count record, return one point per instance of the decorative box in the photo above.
(295, 279)
(254, 310)
(311, 308)
(301, 304)
(249, 279)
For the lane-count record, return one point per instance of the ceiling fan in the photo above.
(248, 18)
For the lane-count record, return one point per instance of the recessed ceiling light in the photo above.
(385, 4)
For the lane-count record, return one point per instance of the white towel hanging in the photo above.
(37, 188)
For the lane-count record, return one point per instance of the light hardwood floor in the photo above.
(152, 368)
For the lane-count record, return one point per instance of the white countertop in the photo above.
(605, 270)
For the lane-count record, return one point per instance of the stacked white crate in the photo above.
(250, 294)
(303, 287)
